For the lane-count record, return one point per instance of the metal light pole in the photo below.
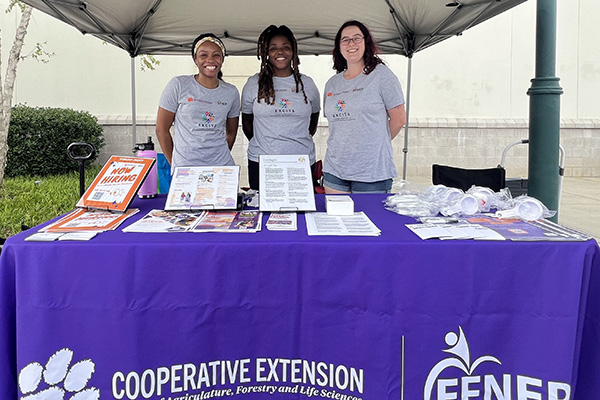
(544, 112)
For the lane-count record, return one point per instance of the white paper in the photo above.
(339, 205)
(77, 236)
(320, 223)
(286, 183)
(454, 231)
(43, 237)
(203, 188)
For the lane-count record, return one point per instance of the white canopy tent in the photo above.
(161, 27)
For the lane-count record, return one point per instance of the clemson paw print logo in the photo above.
(58, 379)
(208, 117)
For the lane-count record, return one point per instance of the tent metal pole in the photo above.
(407, 102)
(544, 112)
(133, 101)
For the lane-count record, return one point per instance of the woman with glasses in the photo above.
(364, 105)
(280, 106)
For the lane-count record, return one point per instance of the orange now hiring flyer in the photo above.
(117, 183)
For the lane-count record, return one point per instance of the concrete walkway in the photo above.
(580, 205)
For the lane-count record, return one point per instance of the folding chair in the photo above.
(493, 178)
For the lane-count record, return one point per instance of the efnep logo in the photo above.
(340, 106)
(58, 376)
(471, 386)
(208, 117)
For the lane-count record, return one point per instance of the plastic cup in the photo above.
(527, 209)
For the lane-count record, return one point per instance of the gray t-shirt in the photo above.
(281, 128)
(359, 147)
(200, 117)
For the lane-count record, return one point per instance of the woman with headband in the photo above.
(280, 106)
(203, 109)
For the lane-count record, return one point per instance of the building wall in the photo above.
(465, 143)
(468, 93)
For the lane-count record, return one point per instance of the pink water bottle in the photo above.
(149, 188)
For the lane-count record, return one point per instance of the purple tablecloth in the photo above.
(281, 315)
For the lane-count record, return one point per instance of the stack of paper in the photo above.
(339, 205)
(454, 231)
(320, 223)
(282, 221)
(81, 224)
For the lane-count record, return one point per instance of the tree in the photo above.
(7, 87)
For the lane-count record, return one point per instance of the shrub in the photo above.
(38, 139)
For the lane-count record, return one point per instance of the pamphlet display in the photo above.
(230, 221)
(202, 221)
(116, 184)
(286, 183)
(165, 221)
(104, 204)
(203, 188)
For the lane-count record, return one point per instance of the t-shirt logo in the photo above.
(340, 106)
(190, 99)
(284, 103)
(208, 117)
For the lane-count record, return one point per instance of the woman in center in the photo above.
(364, 105)
(280, 106)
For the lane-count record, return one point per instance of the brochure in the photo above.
(285, 221)
(286, 183)
(453, 231)
(89, 220)
(165, 221)
(229, 221)
(203, 188)
(541, 230)
(320, 223)
(116, 184)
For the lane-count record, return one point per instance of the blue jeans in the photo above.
(333, 182)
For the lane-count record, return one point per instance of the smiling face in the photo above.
(280, 56)
(352, 51)
(209, 60)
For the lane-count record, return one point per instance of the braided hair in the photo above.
(265, 77)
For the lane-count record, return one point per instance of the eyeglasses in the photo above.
(356, 39)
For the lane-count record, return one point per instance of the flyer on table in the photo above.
(286, 183)
(203, 188)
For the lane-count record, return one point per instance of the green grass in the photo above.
(29, 201)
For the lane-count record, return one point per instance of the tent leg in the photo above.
(407, 101)
(133, 101)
